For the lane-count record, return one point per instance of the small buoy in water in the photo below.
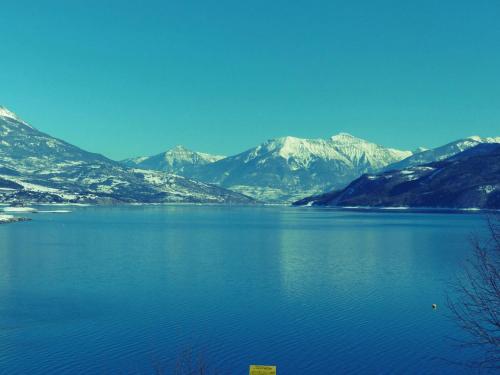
(434, 306)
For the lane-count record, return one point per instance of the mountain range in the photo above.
(468, 179)
(284, 169)
(289, 168)
(37, 167)
(178, 160)
(441, 153)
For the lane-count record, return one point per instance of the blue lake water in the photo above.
(126, 290)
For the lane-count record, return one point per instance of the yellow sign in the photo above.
(262, 370)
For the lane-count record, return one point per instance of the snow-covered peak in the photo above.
(443, 152)
(181, 153)
(288, 143)
(479, 139)
(286, 147)
(343, 148)
(420, 149)
(303, 149)
(178, 151)
(280, 142)
(180, 148)
(6, 113)
(345, 137)
(466, 143)
(354, 148)
(176, 160)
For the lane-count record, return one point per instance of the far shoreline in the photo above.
(404, 209)
(9, 219)
(366, 209)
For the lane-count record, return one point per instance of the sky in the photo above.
(129, 78)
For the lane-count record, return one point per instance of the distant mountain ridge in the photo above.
(286, 168)
(178, 160)
(470, 179)
(35, 167)
(441, 153)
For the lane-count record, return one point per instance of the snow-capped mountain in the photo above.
(469, 179)
(441, 153)
(286, 168)
(37, 167)
(178, 160)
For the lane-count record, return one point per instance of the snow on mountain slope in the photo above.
(6, 114)
(177, 160)
(37, 167)
(441, 153)
(365, 154)
(469, 179)
(285, 168)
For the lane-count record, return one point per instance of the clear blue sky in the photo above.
(127, 78)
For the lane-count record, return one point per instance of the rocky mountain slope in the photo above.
(441, 153)
(470, 179)
(287, 168)
(37, 167)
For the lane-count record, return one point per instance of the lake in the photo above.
(127, 290)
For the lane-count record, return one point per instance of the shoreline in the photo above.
(384, 209)
(7, 219)
(389, 209)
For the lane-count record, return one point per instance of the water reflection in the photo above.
(306, 289)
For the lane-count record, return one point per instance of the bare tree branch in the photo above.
(475, 299)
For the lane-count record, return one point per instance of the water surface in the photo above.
(127, 289)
